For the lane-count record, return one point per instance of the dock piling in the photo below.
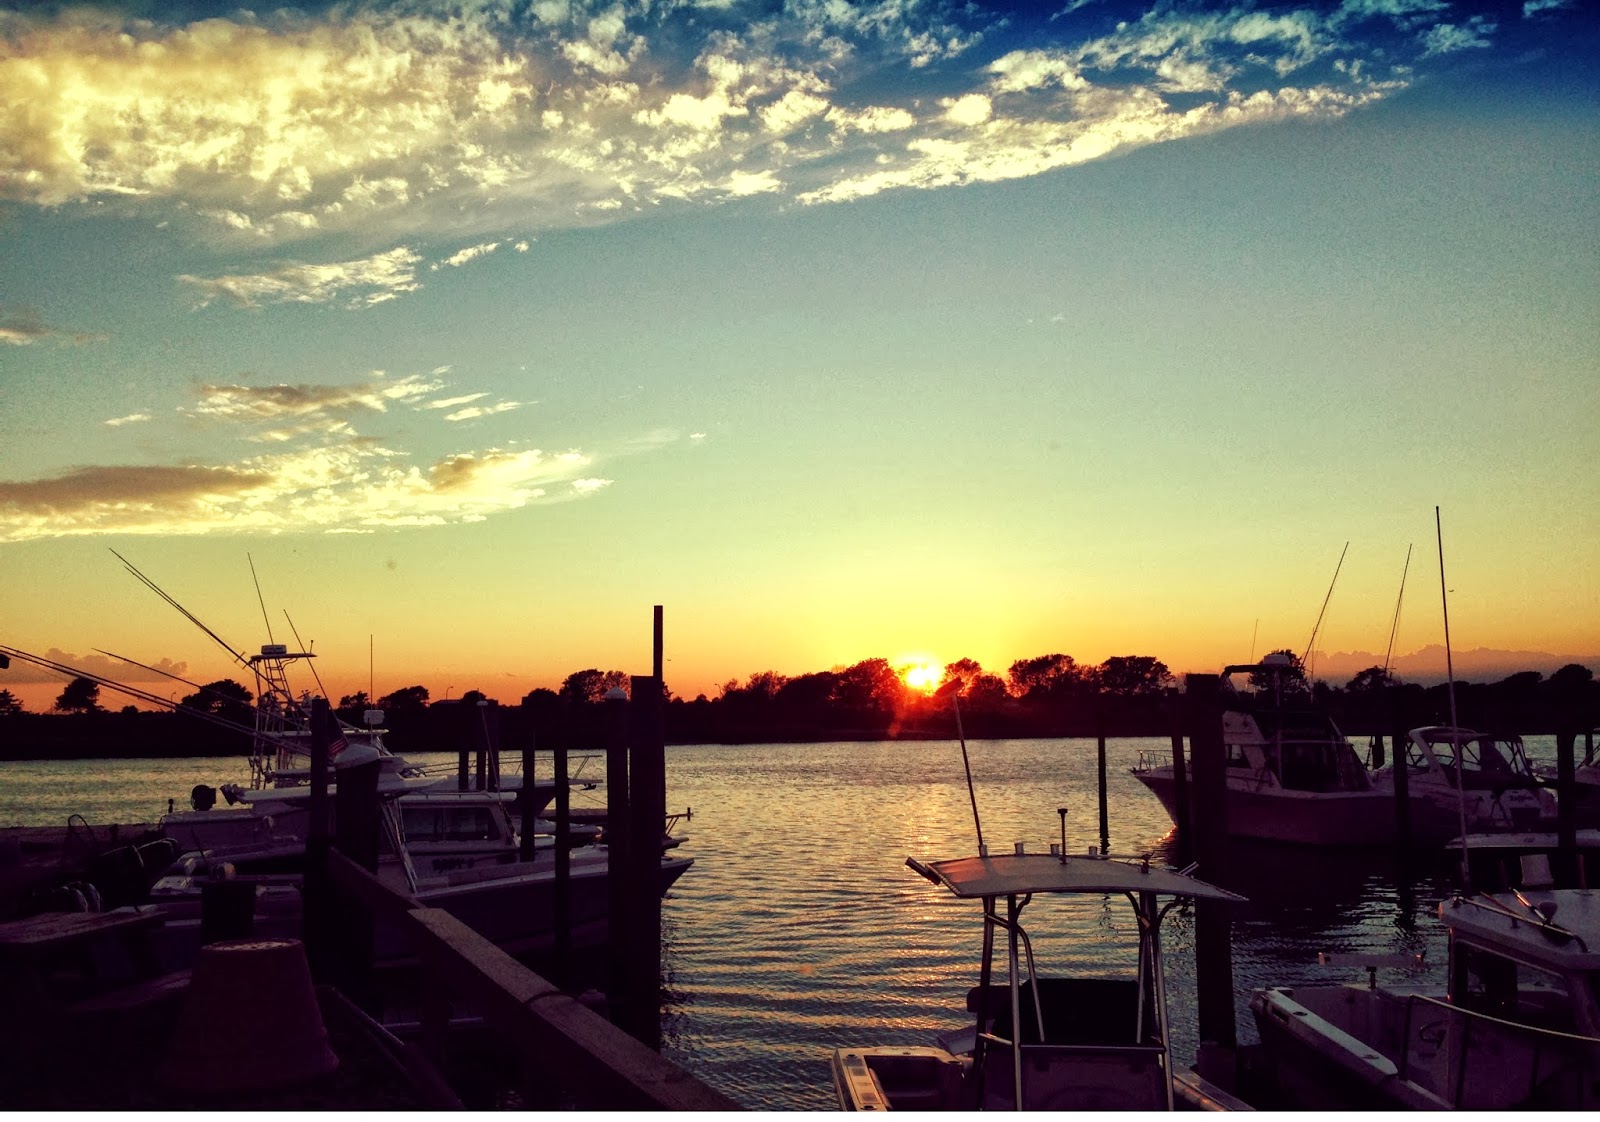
(1212, 926)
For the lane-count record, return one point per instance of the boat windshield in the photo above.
(1479, 754)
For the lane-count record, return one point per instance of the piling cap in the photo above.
(250, 1021)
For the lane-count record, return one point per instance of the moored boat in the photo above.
(1038, 1042)
(1517, 1023)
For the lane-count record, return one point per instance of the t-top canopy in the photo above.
(1020, 874)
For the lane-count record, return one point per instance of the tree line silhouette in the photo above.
(1045, 696)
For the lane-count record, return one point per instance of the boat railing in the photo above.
(1544, 1040)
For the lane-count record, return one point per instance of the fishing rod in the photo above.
(1305, 658)
(185, 612)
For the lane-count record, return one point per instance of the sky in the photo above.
(448, 339)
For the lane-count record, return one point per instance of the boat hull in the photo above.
(1325, 818)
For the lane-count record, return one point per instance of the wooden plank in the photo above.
(594, 1060)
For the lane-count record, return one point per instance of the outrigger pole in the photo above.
(1450, 676)
(955, 703)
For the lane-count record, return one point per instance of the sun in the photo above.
(922, 676)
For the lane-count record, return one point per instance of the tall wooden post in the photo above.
(563, 899)
(1180, 782)
(619, 895)
(357, 823)
(1399, 718)
(317, 924)
(1212, 927)
(1100, 744)
(647, 814)
(1566, 806)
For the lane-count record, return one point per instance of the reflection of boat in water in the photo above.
(1038, 1042)
(1459, 777)
(1291, 774)
(1516, 1025)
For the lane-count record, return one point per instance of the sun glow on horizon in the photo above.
(922, 676)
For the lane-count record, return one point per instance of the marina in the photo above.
(800, 930)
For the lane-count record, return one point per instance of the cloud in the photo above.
(1534, 8)
(396, 121)
(323, 474)
(22, 327)
(470, 253)
(1447, 38)
(359, 284)
(93, 665)
(130, 419)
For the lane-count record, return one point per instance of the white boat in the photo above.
(510, 901)
(1291, 774)
(1517, 1025)
(1461, 781)
(1097, 1043)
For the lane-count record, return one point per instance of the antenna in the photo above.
(1304, 659)
(262, 602)
(1450, 677)
(1394, 626)
(1253, 632)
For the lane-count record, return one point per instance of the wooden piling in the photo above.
(1100, 742)
(356, 827)
(1213, 932)
(619, 902)
(1180, 782)
(1566, 806)
(316, 919)
(647, 808)
(1399, 719)
(563, 896)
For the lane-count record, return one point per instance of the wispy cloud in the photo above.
(323, 475)
(357, 284)
(130, 419)
(483, 119)
(22, 327)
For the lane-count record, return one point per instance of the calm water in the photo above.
(799, 928)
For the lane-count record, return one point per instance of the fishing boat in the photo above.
(1461, 781)
(1038, 1042)
(1291, 774)
(1516, 1025)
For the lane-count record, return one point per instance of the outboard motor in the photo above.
(203, 797)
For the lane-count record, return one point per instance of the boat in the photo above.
(1291, 774)
(1516, 1025)
(509, 900)
(1084, 1043)
(1462, 781)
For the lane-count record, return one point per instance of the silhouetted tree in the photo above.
(9, 705)
(870, 684)
(1291, 673)
(1371, 680)
(409, 699)
(963, 671)
(585, 686)
(223, 698)
(82, 695)
(1133, 676)
(1047, 676)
